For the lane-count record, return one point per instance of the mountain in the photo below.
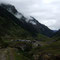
(30, 24)
(56, 35)
(13, 28)
(41, 28)
(10, 26)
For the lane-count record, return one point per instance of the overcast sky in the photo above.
(45, 11)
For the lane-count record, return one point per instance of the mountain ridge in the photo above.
(32, 25)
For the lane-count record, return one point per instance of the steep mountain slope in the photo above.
(13, 28)
(10, 26)
(40, 27)
(31, 24)
(21, 22)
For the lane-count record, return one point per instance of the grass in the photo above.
(19, 56)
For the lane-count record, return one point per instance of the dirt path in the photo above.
(11, 54)
(3, 54)
(7, 54)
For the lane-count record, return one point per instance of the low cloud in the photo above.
(45, 11)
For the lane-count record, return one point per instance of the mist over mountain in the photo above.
(30, 24)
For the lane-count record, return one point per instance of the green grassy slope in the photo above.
(9, 29)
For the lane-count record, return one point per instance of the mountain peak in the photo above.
(9, 7)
